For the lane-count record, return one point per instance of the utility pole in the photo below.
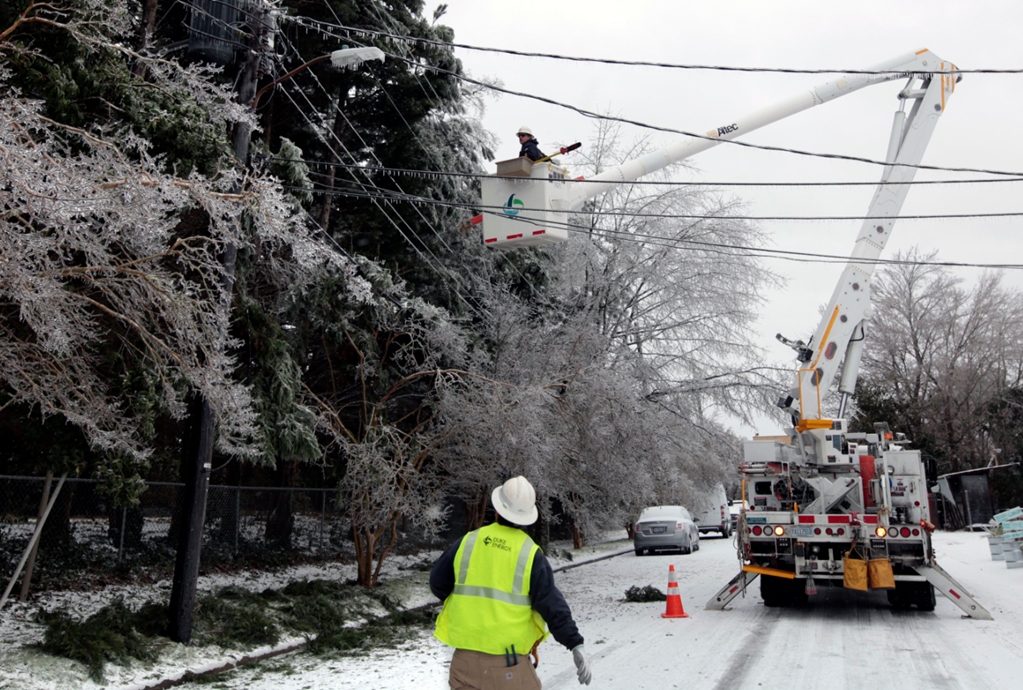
(198, 449)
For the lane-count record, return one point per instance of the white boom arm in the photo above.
(534, 210)
(840, 335)
(897, 68)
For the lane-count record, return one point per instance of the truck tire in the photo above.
(925, 599)
(774, 591)
(909, 594)
(799, 595)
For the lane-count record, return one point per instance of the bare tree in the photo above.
(941, 353)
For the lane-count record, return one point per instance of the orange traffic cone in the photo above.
(675, 609)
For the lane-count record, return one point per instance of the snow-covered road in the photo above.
(839, 641)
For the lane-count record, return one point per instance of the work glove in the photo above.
(582, 665)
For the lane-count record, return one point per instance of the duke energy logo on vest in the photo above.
(509, 207)
(497, 542)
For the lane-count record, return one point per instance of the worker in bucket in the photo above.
(530, 146)
(499, 597)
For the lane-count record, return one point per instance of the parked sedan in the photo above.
(666, 527)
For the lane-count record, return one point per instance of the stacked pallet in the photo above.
(1005, 537)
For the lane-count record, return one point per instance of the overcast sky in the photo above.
(979, 129)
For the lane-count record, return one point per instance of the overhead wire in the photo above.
(437, 268)
(414, 172)
(435, 102)
(656, 240)
(660, 128)
(717, 140)
(646, 63)
(698, 216)
(828, 258)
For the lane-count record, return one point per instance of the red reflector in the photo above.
(838, 519)
(916, 503)
(870, 519)
(841, 530)
(476, 219)
(580, 178)
(803, 519)
(904, 531)
(492, 239)
(916, 532)
(757, 530)
(954, 593)
(514, 237)
(816, 530)
(539, 232)
(829, 530)
(733, 589)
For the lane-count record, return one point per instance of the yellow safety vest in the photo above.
(490, 609)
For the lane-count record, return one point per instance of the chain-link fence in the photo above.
(85, 535)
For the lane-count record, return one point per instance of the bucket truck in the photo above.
(814, 493)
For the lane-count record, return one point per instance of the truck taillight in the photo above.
(757, 531)
(880, 531)
(635, 528)
(779, 531)
(904, 531)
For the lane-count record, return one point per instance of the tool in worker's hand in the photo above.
(563, 149)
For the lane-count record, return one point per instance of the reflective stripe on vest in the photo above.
(481, 613)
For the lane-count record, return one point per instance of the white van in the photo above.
(712, 513)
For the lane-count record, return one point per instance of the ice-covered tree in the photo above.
(113, 290)
(603, 382)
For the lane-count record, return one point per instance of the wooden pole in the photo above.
(33, 541)
(30, 566)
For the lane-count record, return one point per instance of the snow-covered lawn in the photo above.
(840, 641)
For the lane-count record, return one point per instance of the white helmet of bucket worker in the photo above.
(515, 501)
(524, 130)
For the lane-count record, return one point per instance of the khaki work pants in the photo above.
(478, 671)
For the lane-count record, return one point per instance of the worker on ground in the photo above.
(499, 597)
(530, 146)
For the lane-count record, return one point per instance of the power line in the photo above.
(410, 172)
(658, 128)
(641, 63)
(696, 216)
(456, 278)
(656, 240)
(736, 142)
(376, 200)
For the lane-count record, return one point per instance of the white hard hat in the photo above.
(515, 501)
(524, 130)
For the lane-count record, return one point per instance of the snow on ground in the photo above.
(23, 667)
(842, 640)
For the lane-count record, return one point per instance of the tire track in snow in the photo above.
(742, 660)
